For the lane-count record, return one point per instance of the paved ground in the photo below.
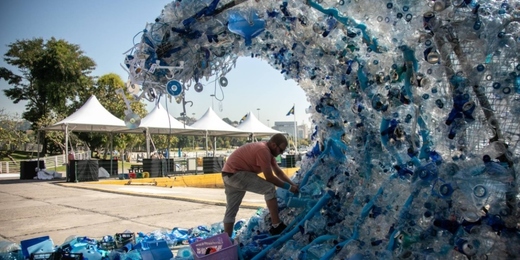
(33, 208)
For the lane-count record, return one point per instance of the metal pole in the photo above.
(214, 145)
(295, 132)
(67, 151)
(206, 142)
(147, 143)
(122, 155)
(75, 172)
(112, 153)
(67, 142)
(38, 150)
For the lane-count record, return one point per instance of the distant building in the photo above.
(303, 131)
(288, 127)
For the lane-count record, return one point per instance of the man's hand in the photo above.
(294, 189)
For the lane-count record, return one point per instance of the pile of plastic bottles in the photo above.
(415, 106)
(158, 244)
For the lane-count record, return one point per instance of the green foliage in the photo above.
(54, 139)
(51, 74)
(11, 134)
(304, 142)
(183, 141)
(165, 141)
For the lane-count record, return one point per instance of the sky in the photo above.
(104, 30)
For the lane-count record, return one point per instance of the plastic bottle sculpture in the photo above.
(415, 107)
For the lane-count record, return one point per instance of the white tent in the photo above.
(159, 121)
(91, 117)
(213, 125)
(252, 125)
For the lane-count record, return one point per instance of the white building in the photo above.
(288, 127)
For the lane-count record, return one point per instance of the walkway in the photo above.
(33, 208)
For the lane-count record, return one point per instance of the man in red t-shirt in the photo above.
(240, 174)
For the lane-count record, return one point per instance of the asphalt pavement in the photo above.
(58, 209)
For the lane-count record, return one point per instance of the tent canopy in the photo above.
(252, 125)
(213, 125)
(91, 117)
(159, 121)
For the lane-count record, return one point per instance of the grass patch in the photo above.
(62, 168)
(21, 155)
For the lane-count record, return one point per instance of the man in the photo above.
(240, 174)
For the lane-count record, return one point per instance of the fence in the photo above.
(51, 162)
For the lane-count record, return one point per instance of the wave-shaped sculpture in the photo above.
(415, 106)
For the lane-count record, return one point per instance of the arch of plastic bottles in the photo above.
(416, 108)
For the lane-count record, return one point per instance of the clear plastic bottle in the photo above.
(14, 255)
(8, 246)
(495, 149)
(10, 250)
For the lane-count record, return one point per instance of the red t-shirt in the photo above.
(250, 157)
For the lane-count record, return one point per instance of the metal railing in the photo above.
(51, 162)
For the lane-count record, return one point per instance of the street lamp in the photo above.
(258, 109)
(268, 123)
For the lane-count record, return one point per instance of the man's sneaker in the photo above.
(277, 230)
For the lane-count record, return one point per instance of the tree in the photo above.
(165, 141)
(11, 134)
(304, 142)
(53, 139)
(51, 75)
(182, 141)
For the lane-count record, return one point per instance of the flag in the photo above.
(291, 112)
(243, 118)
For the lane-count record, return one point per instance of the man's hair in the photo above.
(278, 139)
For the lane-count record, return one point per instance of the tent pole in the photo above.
(122, 155)
(206, 142)
(214, 145)
(38, 150)
(67, 150)
(147, 143)
(67, 143)
(112, 153)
